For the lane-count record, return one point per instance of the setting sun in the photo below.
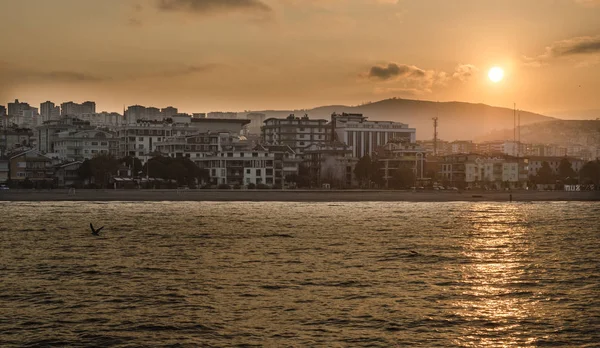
(496, 74)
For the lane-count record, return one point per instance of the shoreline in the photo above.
(292, 196)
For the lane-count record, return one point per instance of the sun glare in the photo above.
(496, 74)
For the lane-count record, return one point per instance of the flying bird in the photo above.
(94, 231)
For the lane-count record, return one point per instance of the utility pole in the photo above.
(435, 135)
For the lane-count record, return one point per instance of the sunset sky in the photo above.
(234, 55)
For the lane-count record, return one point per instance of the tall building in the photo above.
(49, 111)
(169, 111)
(299, 133)
(364, 137)
(2, 110)
(153, 113)
(70, 109)
(256, 121)
(14, 109)
(88, 107)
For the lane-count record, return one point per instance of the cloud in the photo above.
(410, 79)
(578, 46)
(212, 6)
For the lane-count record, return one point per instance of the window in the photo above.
(141, 139)
(255, 154)
(258, 172)
(248, 171)
(269, 171)
(103, 143)
(140, 153)
(229, 154)
(241, 154)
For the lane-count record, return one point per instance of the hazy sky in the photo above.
(207, 55)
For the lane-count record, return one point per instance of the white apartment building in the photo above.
(364, 137)
(505, 147)
(84, 144)
(240, 167)
(103, 119)
(496, 172)
(299, 133)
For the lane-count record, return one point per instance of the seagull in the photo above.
(95, 232)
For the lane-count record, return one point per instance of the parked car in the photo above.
(3, 187)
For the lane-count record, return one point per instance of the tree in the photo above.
(402, 178)
(545, 175)
(377, 173)
(129, 160)
(590, 173)
(85, 170)
(565, 170)
(363, 170)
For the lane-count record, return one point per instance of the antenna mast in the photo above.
(435, 135)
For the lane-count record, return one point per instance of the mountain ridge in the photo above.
(457, 120)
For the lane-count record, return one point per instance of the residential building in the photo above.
(496, 172)
(239, 167)
(364, 136)
(441, 148)
(30, 164)
(88, 107)
(398, 154)
(330, 164)
(299, 133)
(49, 111)
(536, 162)
(222, 115)
(47, 133)
(103, 119)
(27, 118)
(510, 148)
(14, 109)
(12, 138)
(4, 170)
(70, 109)
(287, 163)
(452, 169)
(2, 110)
(66, 174)
(169, 111)
(153, 113)
(257, 120)
(80, 145)
(462, 146)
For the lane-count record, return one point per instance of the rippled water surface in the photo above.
(300, 274)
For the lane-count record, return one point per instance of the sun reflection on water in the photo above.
(494, 292)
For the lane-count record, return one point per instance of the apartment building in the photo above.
(85, 144)
(299, 133)
(364, 136)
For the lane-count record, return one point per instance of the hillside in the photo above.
(457, 120)
(563, 132)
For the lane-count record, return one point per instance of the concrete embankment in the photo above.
(293, 195)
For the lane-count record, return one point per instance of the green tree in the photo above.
(545, 175)
(363, 170)
(85, 170)
(377, 173)
(590, 173)
(129, 160)
(565, 170)
(402, 178)
(103, 167)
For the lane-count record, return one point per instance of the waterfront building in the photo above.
(331, 164)
(364, 136)
(66, 174)
(287, 163)
(299, 133)
(536, 162)
(47, 133)
(496, 172)
(80, 145)
(30, 164)
(397, 155)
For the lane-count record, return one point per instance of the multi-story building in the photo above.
(70, 109)
(364, 136)
(49, 111)
(510, 148)
(452, 169)
(12, 138)
(396, 155)
(256, 122)
(103, 119)
(47, 133)
(536, 162)
(222, 115)
(169, 111)
(2, 110)
(330, 164)
(141, 139)
(299, 133)
(496, 172)
(88, 107)
(239, 167)
(30, 164)
(66, 174)
(286, 162)
(439, 148)
(85, 144)
(462, 146)
(14, 109)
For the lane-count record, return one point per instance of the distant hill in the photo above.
(457, 120)
(578, 114)
(582, 132)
